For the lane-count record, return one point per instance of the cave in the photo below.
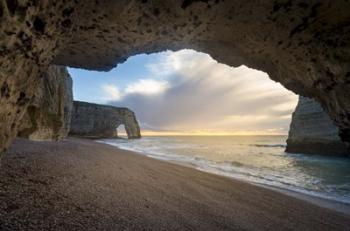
(304, 46)
(79, 184)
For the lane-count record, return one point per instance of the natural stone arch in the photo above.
(303, 45)
(101, 121)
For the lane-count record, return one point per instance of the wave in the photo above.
(238, 171)
(302, 182)
(269, 145)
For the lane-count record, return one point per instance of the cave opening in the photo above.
(188, 92)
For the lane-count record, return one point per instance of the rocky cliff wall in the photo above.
(102, 121)
(304, 45)
(49, 113)
(312, 131)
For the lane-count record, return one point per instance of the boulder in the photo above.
(313, 132)
(49, 113)
(101, 121)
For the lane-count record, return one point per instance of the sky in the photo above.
(189, 93)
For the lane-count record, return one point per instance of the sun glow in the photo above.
(212, 133)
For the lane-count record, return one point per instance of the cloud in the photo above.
(111, 92)
(188, 90)
(142, 87)
(147, 87)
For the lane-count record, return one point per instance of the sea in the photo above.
(257, 159)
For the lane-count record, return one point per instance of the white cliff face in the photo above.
(101, 121)
(49, 113)
(312, 131)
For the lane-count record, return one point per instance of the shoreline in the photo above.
(85, 185)
(313, 199)
(318, 200)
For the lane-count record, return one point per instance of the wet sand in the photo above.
(83, 185)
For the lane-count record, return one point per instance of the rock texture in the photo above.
(49, 113)
(304, 45)
(101, 121)
(312, 131)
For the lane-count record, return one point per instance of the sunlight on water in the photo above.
(258, 159)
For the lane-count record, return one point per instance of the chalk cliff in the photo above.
(304, 45)
(49, 113)
(312, 131)
(101, 121)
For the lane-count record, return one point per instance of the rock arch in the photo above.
(101, 121)
(303, 45)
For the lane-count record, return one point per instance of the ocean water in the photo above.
(257, 159)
